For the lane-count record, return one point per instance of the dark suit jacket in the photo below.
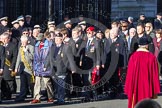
(102, 46)
(157, 24)
(56, 62)
(68, 58)
(116, 48)
(2, 56)
(28, 25)
(75, 46)
(11, 54)
(90, 57)
(134, 44)
(32, 41)
(107, 45)
(69, 32)
(16, 34)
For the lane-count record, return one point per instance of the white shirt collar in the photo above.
(58, 45)
(6, 45)
(90, 39)
(113, 40)
(76, 39)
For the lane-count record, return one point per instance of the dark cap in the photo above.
(25, 29)
(142, 15)
(98, 31)
(28, 16)
(81, 15)
(67, 22)
(82, 23)
(20, 18)
(58, 35)
(160, 14)
(4, 18)
(37, 27)
(143, 41)
(51, 22)
(15, 22)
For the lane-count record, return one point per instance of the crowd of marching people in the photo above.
(75, 54)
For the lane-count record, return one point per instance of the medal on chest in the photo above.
(7, 53)
(76, 45)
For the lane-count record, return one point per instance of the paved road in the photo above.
(116, 103)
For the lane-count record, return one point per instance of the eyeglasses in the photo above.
(25, 33)
(124, 26)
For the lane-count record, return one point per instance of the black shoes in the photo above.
(60, 102)
(19, 100)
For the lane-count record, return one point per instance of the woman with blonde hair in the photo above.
(149, 29)
(107, 33)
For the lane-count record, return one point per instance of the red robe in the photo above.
(142, 80)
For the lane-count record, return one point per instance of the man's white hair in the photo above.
(5, 34)
(132, 29)
(24, 38)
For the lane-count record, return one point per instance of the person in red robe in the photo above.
(142, 80)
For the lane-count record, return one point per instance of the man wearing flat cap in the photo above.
(3, 24)
(21, 21)
(142, 79)
(68, 26)
(37, 27)
(51, 24)
(59, 70)
(28, 22)
(16, 33)
(9, 83)
(158, 21)
(142, 19)
(4, 21)
(80, 18)
(83, 25)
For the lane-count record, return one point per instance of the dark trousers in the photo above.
(26, 85)
(114, 85)
(0, 88)
(160, 70)
(68, 81)
(86, 79)
(8, 87)
(60, 89)
(76, 79)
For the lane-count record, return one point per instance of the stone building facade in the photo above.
(125, 8)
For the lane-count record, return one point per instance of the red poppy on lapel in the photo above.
(117, 44)
(92, 44)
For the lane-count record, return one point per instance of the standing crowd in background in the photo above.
(80, 54)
